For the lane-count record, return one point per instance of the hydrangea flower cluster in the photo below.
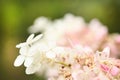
(70, 49)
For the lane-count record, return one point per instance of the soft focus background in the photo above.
(17, 15)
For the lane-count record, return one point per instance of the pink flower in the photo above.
(91, 35)
(113, 70)
(105, 68)
(117, 39)
(113, 41)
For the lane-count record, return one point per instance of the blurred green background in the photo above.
(17, 15)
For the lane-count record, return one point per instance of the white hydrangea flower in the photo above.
(40, 24)
(40, 63)
(68, 50)
(25, 49)
(36, 65)
(54, 52)
(53, 30)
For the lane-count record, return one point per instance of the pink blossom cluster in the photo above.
(74, 30)
(71, 49)
(86, 65)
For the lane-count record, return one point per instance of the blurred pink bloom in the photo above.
(105, 68)
(91, 35)
(113, 70)
(117, 39)
(113, 41)
(56, 53)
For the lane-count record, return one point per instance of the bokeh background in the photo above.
(17, 15)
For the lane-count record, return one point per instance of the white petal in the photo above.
(106, 52)
(23, 50)
(30, 38)
(19, 60)
(33, 50)
(37, 38)
(50, 54)
(28, 61)
(33, 68)
(30, 70)
(20, 45)
(98, 55)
